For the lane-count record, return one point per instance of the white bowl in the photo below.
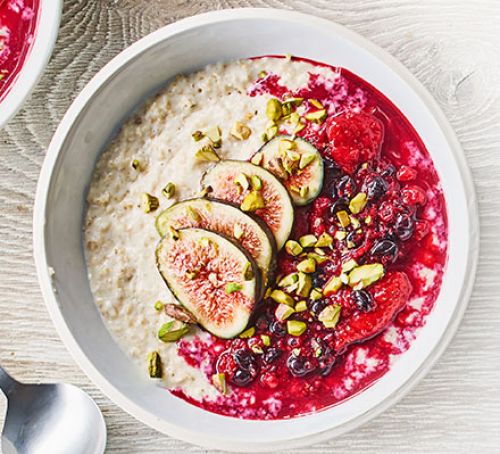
(45, 34)
(95, 116)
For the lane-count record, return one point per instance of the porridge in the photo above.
(266, 237)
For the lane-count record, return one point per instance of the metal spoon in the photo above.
(55, 419)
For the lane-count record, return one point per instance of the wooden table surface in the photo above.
(451, 46)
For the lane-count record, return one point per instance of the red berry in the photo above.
(406, 173)
(354, 138)
(421, 229)
(413, 195)
(390, 295)
(269, 380)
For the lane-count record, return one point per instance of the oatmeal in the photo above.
(325, 243)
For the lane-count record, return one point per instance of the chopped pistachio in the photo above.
(193, 214)
(214, 135)
(293, 156)
(136, 165)
(320, 259)
(344, 278)
(159, 306)
(257, 349)
(266, 340)
(306, 159)
(357, 203)
(316, 294)
(253, 201)
(325, 240)
(349, 265)
(149, 203)
(307, 266)
(308, 240)
(174, 234)
(256, 182)
(240, 131)
(296, 351)
(295, 327)
(268, 292)
(300, 126)
(317, 116)
(332, 286)
(365, 275)
(262, 74)
(301, 306)
(169, 190)
(293, 248)
(271, 132)
(343, 218)
(303, 191)
(294, 118)
(197, 136)
(242, 182)
(219, 381)
(330, 315)
(286, 145)
(248, 333)
(192, 274)
(232, 287)
(350, 244)
(368, 220)
(295, 101)
(340, 235)
(288, 280)
(248, 272)
(257, 159)
(237, 231)
(305, 285)
(319, 251)
(207, 153)
(318, 351)
(283, 311)
(172, 331)
(180, 313)
(316, 103)
(273, 109)
(286, 109)
(154, 365)
(282, 298)
(354, 222)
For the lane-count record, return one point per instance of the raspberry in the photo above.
(413, 195)
(406, 173)
(390, 295)
(354, 138)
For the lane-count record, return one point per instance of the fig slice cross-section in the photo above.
(255, 190)
(297, 163)
(212, 277)
(220, 217)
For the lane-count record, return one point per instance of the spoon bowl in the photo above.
(50, 418)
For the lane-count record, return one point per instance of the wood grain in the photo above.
(451, 46)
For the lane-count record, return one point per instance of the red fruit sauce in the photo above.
(403, 226)
(18, 19)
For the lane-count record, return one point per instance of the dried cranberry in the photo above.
(385, 247)
(271, 355)
(364, 301)
(404, 227)
(300, 366)
(376, 188)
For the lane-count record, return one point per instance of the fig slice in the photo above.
(214, 278)
(297, 163)
(253, 189)
(220, 217)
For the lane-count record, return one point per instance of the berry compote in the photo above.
(279, 369)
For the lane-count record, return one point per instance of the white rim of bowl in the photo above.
(41, 200)
(37, 59)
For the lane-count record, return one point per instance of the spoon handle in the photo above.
(7, 383)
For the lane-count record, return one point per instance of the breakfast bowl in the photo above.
(94, 119)
(28, 35)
